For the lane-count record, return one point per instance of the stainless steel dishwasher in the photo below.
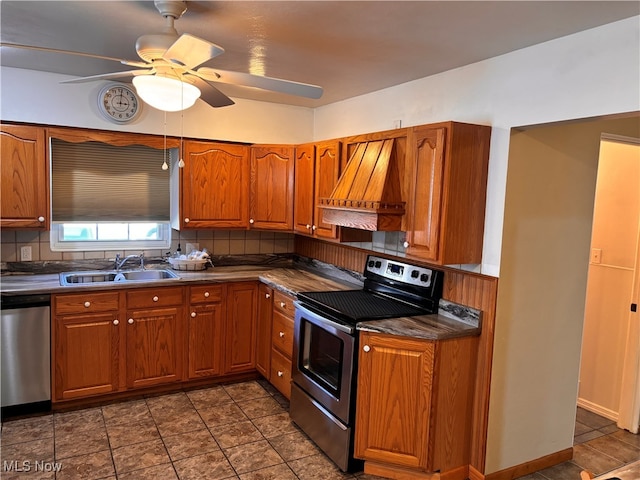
(25, 353)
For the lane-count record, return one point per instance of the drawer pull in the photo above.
(280, 373)
(281, 334)
(87, 304)
(41, 219)
(116, 322)
(186, 220)
(251, 221)
(193, 314)
(206, 294)
(130, 321)
(283, 305)
(267, 295)
(155, 299)
(405, 244)
(366, 348)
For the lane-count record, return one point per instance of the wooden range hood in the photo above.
(368, 195)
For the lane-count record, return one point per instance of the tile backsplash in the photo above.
(217, 242)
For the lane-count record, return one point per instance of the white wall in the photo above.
(591, 73)
(39, 97)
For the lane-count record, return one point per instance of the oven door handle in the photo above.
(321, 319)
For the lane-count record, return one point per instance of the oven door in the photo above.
(323, 360)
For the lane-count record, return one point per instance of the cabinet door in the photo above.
(215, 185)
(395, 382)
(154, 346)
(205, 340)
(425, 203)
(24, 200)
(263, 347)
(304, 205)
(271, 192)
(327, 171)
(87, 355)
(240, 334)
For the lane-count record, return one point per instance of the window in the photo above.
(109, 198)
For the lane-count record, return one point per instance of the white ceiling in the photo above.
(347, 47)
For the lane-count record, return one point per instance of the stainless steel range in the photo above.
(323, 389)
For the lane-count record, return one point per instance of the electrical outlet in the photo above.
(25, 254)
(596, 255)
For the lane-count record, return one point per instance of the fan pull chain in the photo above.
(164, 152)
(181, 162)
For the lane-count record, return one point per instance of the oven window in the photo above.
(322, 357)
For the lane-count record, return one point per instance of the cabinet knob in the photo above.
(308, 227)
(87, 304)
(313, 228)
(405, 244)
(41, 219)
(155, 299)
(280, 373)
(193, 314)
(366, 348)
(116, 322)
(186, 220)
(130, 321)
(206, 294)
(283, 305)
(251, 220)
(281, 334)
(267, 295)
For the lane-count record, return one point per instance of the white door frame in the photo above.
(629, 409)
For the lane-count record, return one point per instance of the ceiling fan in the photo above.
(170, 59)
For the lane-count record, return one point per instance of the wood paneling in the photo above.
(473, 290)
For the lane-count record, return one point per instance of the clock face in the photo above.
(119, 103)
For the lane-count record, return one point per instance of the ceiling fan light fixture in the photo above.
(164, 93)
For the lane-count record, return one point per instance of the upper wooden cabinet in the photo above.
(271, 190)
(446, 184)
(24, 197)
(317, 171)
(214, 186)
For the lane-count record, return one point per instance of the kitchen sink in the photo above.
(112, 276)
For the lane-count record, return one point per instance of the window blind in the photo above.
(98, 182)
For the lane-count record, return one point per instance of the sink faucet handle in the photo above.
(142, 260)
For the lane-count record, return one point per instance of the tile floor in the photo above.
(240, 431)
(598, 446)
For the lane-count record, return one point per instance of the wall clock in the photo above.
(119, 103)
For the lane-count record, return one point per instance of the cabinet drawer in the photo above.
(281, 373)
(205, 294)
(86, 303)
(282, 334)
(283, 303)
(154, 297)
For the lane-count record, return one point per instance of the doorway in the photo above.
(609, 368)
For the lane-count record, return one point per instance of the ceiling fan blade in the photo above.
(209, 93)
(110, 76)
(257, 81)
(131, 63)
(190, 51)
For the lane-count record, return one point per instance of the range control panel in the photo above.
(402, 272)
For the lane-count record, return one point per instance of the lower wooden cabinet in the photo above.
(240, 327)
(205, 337)
(263, 345)
(282, 342)
(86, 344)
(414, 405)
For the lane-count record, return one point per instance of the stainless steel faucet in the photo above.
(119, 263)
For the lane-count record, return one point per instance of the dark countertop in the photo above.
(452, 321)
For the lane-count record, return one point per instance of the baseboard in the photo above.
(597, 409)
(475, 474)
(527, 467)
